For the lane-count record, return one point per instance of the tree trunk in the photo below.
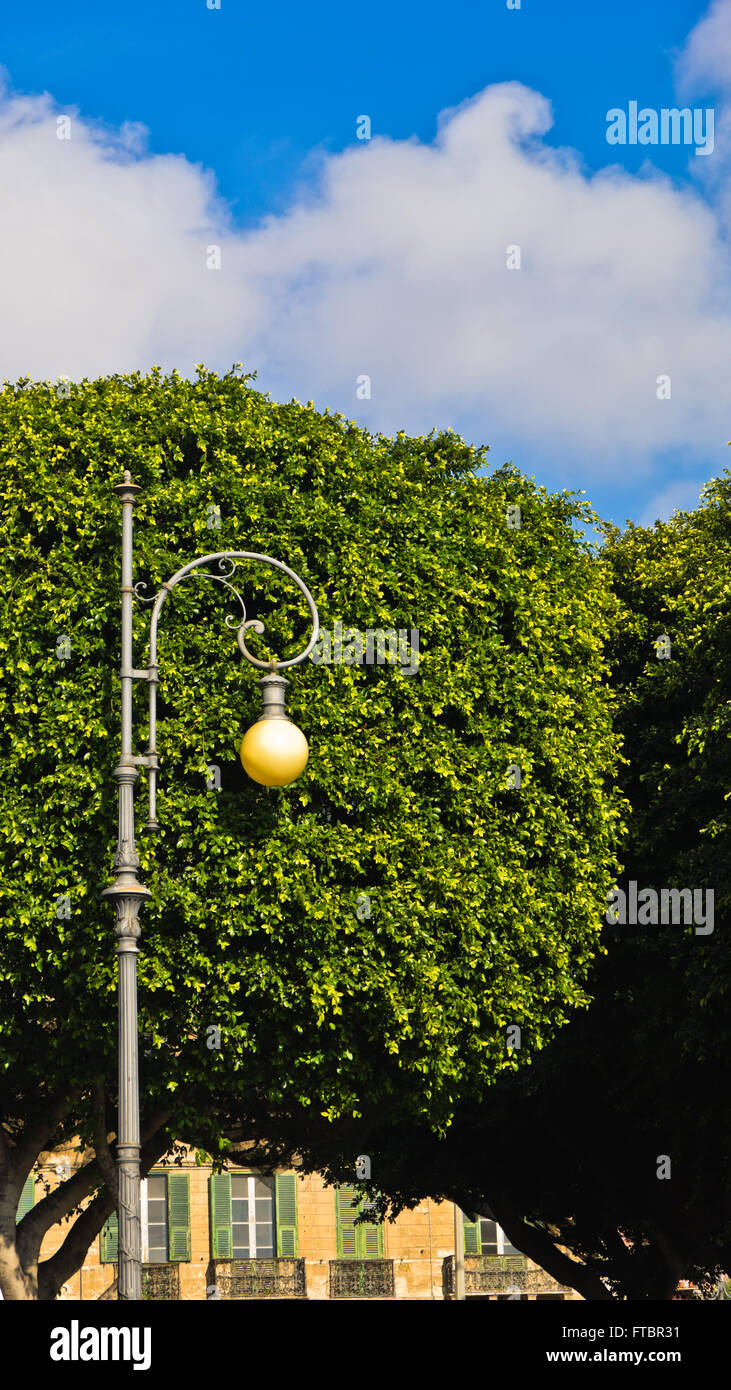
(16, 1285)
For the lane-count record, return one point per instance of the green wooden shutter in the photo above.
(472, 1241)
(286, 1213)
(27, 1198)
(220, 1209)
(356, 1242)
(109, 1240)
(370, 1240)
(347, 1203)
(179, 1216)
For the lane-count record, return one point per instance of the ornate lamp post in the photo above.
(274, 752)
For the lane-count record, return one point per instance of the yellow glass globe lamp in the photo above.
(274, 751)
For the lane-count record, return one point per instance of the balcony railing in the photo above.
(499, 1274)
(361, 1279)
(270, 1278)
(161, 1282)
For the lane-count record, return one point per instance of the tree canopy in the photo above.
(365, 937)
(619, 1133)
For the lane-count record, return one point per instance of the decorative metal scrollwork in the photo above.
(142, 585)
(258, 1278)
(368, 1278)
(228, 561)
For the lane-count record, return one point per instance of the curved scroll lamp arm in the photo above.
(273, 755)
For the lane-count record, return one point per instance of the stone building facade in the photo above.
(244, 1234)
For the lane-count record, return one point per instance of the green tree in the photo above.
(564, 1154)
(365, 937)
(619, 1134)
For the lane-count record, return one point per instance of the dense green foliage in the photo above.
(484, 901)
(675, 719)
(646, 1071)
(648, 1068)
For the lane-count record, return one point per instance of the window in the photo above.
(355, 1242)
(493, 1240)
(253, 1216)
(485, 1237)
(155, 1219)
(165, 1213)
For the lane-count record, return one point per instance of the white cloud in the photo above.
(680, 496)
(393, 264)
(103, 250)
(706, 55)
(703, 68)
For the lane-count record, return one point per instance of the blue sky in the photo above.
(266, 102)
(250, 91)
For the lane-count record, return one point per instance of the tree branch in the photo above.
(101, 1139)
(538, 1246)
(4, 1150)
(51, 1209)
(37, 1134)
(62, 1200)
(53, 1272)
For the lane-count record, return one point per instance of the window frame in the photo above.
(145, 1218)
(363, 1233)
(501, 1239)
(174, 1226)
(252, 1176)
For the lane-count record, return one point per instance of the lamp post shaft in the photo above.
(459, 1277)
(128, 895)
(128, 1146)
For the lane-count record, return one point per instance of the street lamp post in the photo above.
(274, 752)
(459, 1277)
